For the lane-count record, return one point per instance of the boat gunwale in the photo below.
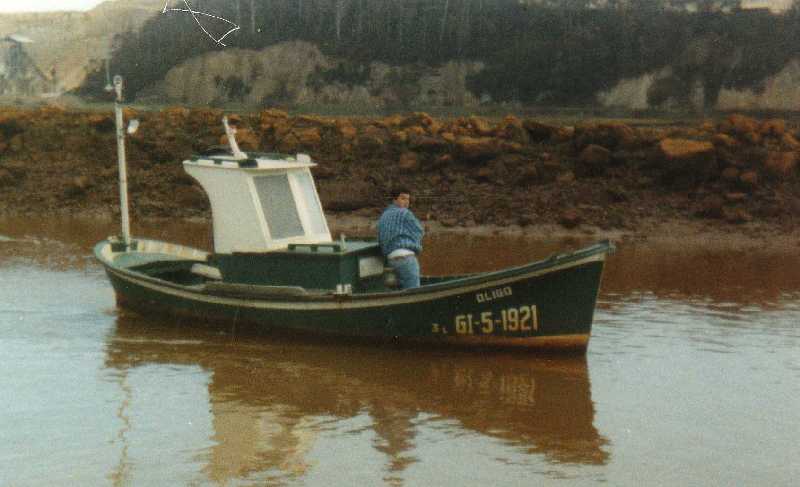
(462, 284)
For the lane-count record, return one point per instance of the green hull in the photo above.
(546, 305)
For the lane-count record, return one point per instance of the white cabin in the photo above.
(260, 203)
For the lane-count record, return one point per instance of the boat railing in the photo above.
(158, 247)
(147, 246)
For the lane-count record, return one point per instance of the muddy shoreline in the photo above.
(670, 236)
(730, 182)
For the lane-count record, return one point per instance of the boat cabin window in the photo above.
(309, 194)
(278, 204)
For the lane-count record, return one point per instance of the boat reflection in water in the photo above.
(271, 400)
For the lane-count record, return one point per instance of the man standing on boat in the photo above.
(400, 236)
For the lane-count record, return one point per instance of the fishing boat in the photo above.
(275, 267)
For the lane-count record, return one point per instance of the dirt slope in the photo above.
(738, 173)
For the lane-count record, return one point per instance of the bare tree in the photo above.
(339, 9)
(360, 20)
(444, 21)
(252, 17)
(464, 26)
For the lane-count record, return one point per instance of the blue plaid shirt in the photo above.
(398, 228)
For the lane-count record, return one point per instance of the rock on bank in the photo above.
(465, 171)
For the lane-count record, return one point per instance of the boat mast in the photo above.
(123, 171)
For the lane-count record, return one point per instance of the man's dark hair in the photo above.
(398, 190)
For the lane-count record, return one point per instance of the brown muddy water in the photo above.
(692, 378)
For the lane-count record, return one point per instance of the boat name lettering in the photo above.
(498, 293)
(520, 320)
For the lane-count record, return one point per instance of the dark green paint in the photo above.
(565, 299)
(312, 266)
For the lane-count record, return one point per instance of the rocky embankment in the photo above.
(465, 172)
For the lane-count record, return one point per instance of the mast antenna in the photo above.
(231, 133)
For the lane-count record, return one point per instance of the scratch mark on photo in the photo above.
(195, 14)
